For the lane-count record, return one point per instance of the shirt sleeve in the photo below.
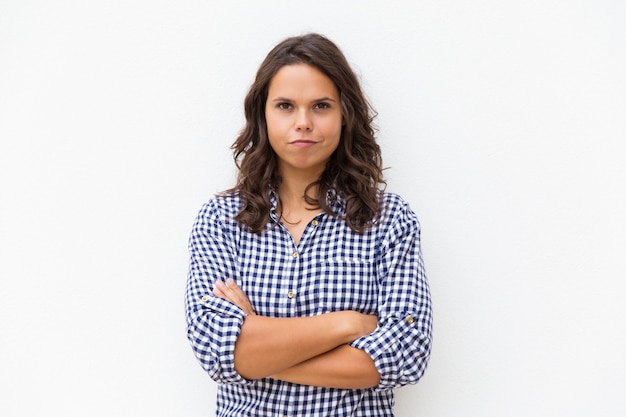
(400, 346)
(213, 324)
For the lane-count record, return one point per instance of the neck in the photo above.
(292, 192)
(294, 210)
(293, 186)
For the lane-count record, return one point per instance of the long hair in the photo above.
(354, 170)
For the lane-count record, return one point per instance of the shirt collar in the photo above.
(334, 201)
(273, 205)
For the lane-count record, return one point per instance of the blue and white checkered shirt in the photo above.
(332, 268)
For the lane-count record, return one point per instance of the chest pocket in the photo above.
(348, 284)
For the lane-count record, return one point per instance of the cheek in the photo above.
(275, 125)
(275, 136)
(336, 128)
(270, 126)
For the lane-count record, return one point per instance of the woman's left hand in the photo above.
(230, 291)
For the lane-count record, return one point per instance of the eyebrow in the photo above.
(313, 101)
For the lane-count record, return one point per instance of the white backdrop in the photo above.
(503, 124)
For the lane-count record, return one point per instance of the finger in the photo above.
(218, 293)
(218, 290)
(241, 299)
(231, 292)
(236, 293)
(222, 291)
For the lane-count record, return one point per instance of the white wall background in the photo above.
(503, 123)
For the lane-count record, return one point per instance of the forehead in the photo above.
(301, 81)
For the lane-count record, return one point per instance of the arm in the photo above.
(343, 367)
(400, 347)
(225, 340)
(397, 352)
(267, 346)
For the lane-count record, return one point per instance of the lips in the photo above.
(302, 143)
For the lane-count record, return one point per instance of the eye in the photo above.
(322, 106)
(284, 106)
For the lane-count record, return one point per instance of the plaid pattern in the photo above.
(378, 272)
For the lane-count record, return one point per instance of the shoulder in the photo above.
(393, 200)
(396, 213)
(393, 205)
(219, 210)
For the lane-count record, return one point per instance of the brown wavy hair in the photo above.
(354, 170)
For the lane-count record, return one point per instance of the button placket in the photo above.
(290, 293)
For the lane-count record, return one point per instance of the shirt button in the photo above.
(295, 254)
(290, 294)
(205, 298)
(409, 320)
(314, 223)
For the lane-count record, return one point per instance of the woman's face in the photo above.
(303, 115)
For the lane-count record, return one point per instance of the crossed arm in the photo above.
(304, 350)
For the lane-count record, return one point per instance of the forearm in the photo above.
(343, 367)
(267, 346)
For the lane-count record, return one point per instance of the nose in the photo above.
(303, 121)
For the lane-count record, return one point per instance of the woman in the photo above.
(306, 293)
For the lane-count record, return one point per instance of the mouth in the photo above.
(302, 142)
